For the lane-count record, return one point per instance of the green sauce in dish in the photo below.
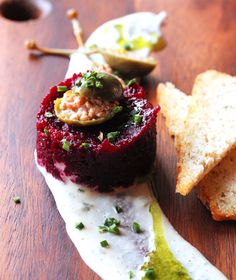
(156, 43)
(162, 264)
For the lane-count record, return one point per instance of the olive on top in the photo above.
(98, 85)
(94, 99)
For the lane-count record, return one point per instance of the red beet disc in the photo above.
(101, 164)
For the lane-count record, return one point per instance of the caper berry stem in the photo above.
(72, 15)
(32, 45)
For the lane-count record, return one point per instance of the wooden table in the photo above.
(34, 244)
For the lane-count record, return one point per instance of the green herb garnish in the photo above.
(127, 46)
(111, 221)
(79, 226)
(117, 109)
(81, 190)
(104, 243)
(136, 227)
(66, 145)
(85, 145)
(118, 209)
(137, 119)
(150, 273)
(17, 200)
(93, 79)
(110, 225)
(48, 114)
(45, 131)
(61, 88)
(131, 82)
(131, 275)
(111, 136)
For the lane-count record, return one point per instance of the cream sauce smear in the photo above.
(127, 251)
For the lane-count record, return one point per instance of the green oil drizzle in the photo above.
(156, 43)
(162, 260)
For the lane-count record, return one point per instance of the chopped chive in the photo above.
(131, 82)
(79, 226)
(78, 83)
(111, 136)
(61, 88)
(81, 190)
(17, 200)
(100, 136)
(111, 221)
(118, 209)
(136, 227)
(117, 109)
(46, 132)
(111, 225)
(114, 229)
(150, 273)
(131, 275)
(66, 145)
(104, 243)
(128, 47)
(137, 119)
(48, 114)
(85, 145)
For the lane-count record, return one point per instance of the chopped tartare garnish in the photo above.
(118, 209)
(66, 145)
(111, 136)
(17, 199)
(117, 109)
(46, 132)
(131, 275)
(137, 119)
(48, 114)
(136, 227)
(85, 145)
(110, 225)
(80, 226)
(61, 88)
(104, 243)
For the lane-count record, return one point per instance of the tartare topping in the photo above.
(93, 99)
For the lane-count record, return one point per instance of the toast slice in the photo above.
(174, 106)
(218, 189)
(209, 131)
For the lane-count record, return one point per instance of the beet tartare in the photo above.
(100, 152)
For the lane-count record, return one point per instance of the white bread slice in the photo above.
(174, 106)
(209, 131)
(218, 189)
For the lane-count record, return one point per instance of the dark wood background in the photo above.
(33, 241)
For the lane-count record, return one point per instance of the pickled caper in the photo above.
(127, 65)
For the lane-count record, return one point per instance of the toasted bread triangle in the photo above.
(209, 131)
(218, 189)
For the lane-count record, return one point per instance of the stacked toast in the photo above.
(204, 127)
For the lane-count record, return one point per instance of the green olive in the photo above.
(97, 121)
(109, 88)
(129, 66)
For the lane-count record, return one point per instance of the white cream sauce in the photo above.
(127, 252)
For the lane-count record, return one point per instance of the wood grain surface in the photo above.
(34, 244)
